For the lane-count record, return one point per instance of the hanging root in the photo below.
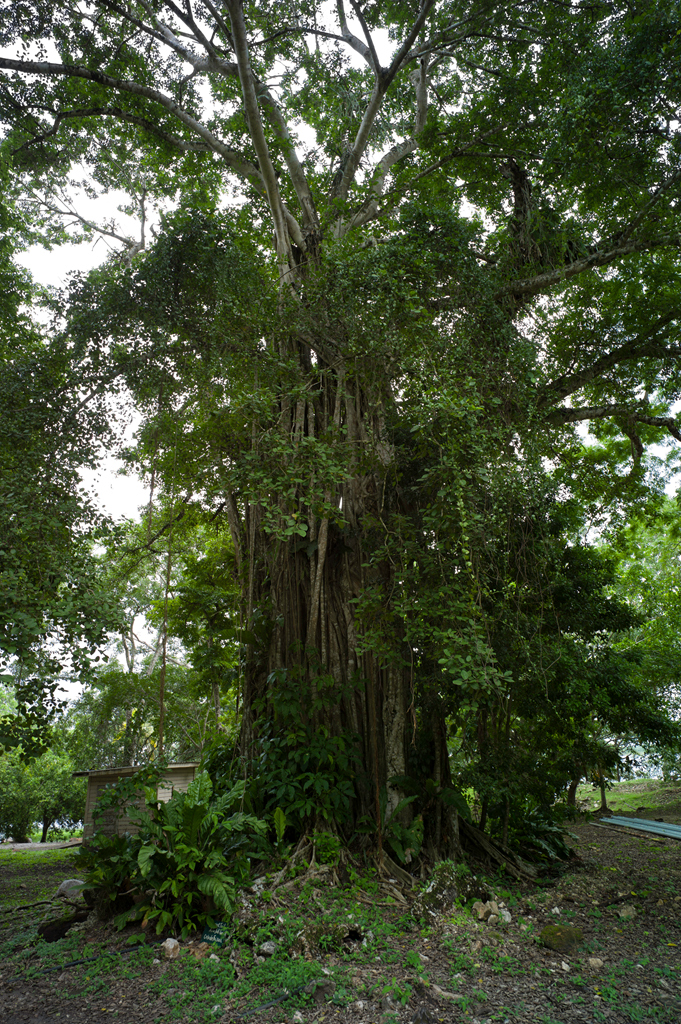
(301, 849)
(388, 868)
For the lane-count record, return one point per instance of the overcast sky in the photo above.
(120, 496)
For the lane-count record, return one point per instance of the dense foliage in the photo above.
(181, 867)
(398, 255)
(41, 791)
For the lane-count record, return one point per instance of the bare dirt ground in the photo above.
(372, 960)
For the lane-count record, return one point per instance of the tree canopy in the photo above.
(389, 257)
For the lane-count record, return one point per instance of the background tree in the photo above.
(416, 295)
(39, 790)
(54, 609)
(649, 579)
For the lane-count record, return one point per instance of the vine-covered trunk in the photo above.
(302, 591)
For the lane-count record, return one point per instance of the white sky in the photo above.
(120, 496)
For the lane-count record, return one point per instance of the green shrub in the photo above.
(536, 836)
(186, 860)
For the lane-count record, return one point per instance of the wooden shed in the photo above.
(176, 778)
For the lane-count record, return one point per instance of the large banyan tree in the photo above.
(390, 256)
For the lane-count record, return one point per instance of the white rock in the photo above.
(298, 1017)
(71, 888)
(155, 961)
(479, 909)
(595, 963)
(171, 948)
(566, 967)
(214, 956)
(268, 948)
(505, 915)
(555, 910)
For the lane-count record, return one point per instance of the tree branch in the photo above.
(182, 145)
(298, 178)
(370, 210)
(542, 282)
(352, 40)
(637, 348)
(599, 412)
(383, 80)
(252, 111)
(69, 211)
(403, 51)
(374, 61)
(641, 215)
(238, 163)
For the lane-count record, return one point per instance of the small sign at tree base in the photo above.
(217, 935)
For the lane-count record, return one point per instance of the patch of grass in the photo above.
(27, 876)
(192, 989)
(626, 797)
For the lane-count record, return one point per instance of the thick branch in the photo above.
(666, 422)
(599, 412)
(234, 160)
(295, 169)
(182, 145)
(403, 51)
(352, 40)
(383, 80)
(252, 111)
(542, 282)
(644, 346)
(370, 209)
(374, 61)
(361, 141)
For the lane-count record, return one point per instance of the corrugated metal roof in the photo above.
(658, 828)
(130, 768)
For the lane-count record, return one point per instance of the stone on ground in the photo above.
(560, 938)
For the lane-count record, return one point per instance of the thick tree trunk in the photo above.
(302, 591)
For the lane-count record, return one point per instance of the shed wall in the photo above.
(176, 779)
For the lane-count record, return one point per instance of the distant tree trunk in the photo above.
(46, 827)
(483, 813)
(572, 792)
(601, 783)
(127, 738)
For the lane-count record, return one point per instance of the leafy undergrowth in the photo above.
(351, 946)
